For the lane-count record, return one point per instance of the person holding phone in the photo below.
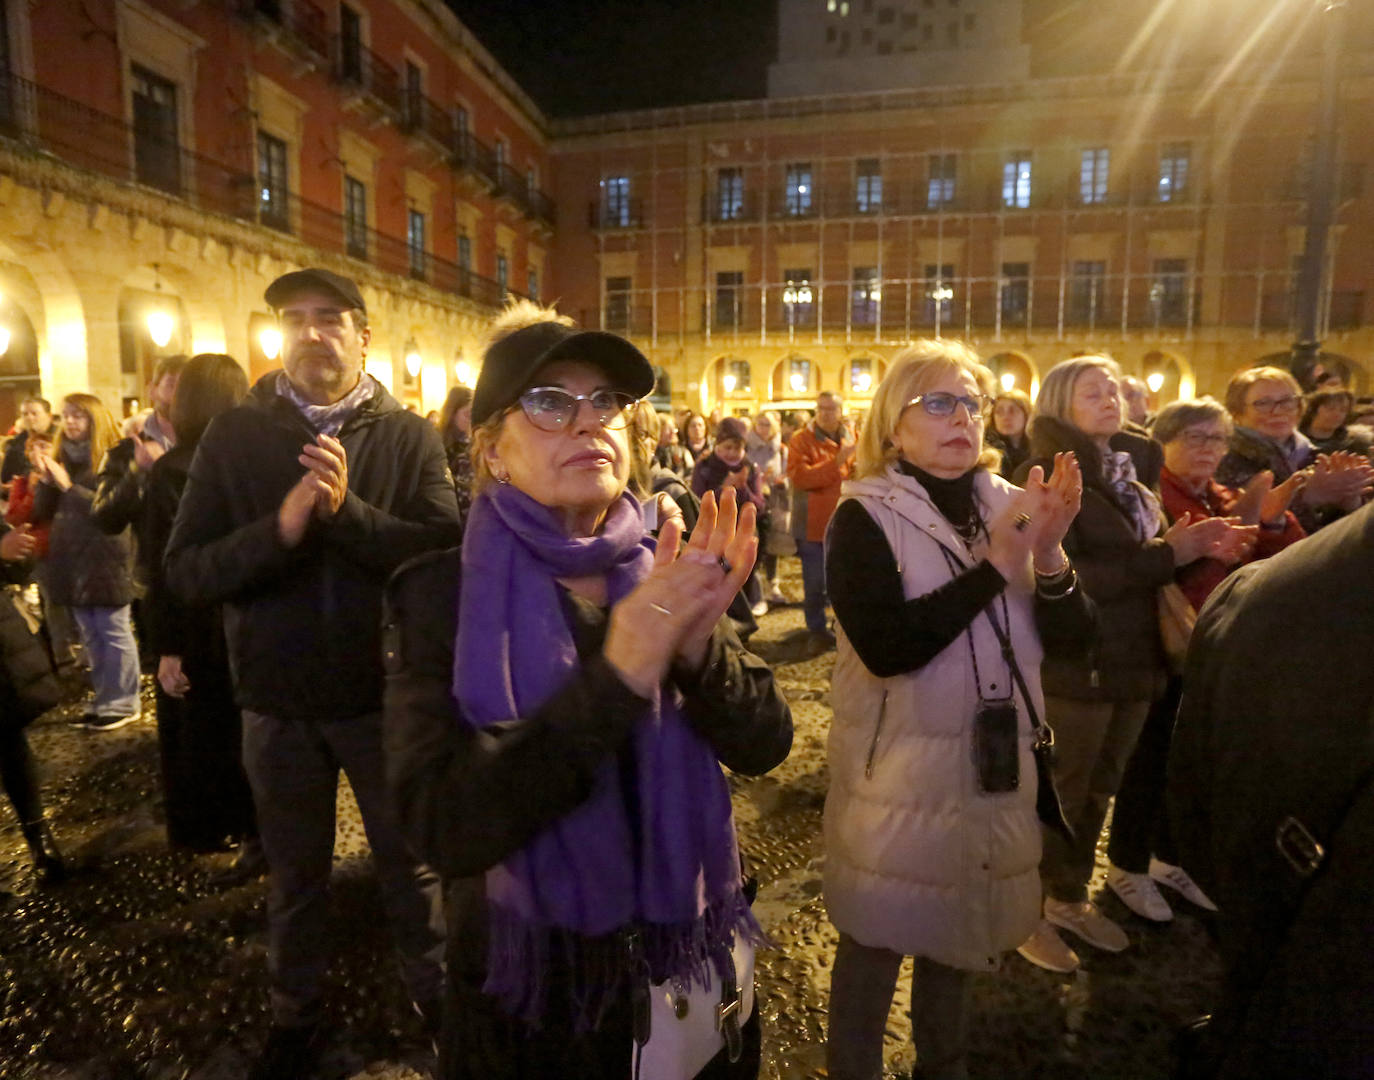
(948, 585)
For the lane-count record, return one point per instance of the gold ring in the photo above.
(1022, 520)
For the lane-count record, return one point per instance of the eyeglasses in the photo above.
(550, 408)
(940, 403)
(1276, 404)
(1197, 440)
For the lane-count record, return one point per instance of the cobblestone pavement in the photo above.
(141, 966)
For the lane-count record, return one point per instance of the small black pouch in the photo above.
(995, 752)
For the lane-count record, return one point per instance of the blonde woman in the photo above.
(86, 570)
(931, 829)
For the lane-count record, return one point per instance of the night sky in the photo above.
(576, 57)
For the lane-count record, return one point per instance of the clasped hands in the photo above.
(1034, 522)
(670, 615)
(319, 493)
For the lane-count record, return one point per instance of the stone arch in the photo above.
(719, 387)
(42, 284)
(795, 380)
(850, 383)
(1174, 374)
(1013, 369)
(1352, 373)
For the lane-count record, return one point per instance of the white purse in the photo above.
(689, 1025)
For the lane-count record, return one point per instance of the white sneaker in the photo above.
(1046, 949)
(1088, 923)
(1177, 879)
(1139, 893)
(761, 608)
(775, 596)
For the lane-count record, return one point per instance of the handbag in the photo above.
(1176, 621)
(690, 1024)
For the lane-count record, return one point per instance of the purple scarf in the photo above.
(673, 874)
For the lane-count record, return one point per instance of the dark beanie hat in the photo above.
(732, 427)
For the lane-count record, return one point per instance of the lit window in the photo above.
(1015, 298)
(798, 297)
(272, 183)
(1169, 292)
(940, 187)
(1092, 175)
(617, 310)
(938, 288)
(799, 190)
(532, 284)
(355, 217)
(1016, 179)
(1173, 171)
(502, 271)
(729, 194)
(615, 202)
(729, 297)
(1087, 291)
(866, 294)
(415, 243)
(868, 186)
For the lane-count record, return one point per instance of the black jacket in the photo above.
(1277, 722)
(1122, 576)
(28, 687)
(469, 799)
(304, 624)
(85, 565)
(119, 485)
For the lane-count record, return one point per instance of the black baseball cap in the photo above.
(313, 277)
(512, 362)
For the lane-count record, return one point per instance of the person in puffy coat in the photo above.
(932, 561)
(86, 569)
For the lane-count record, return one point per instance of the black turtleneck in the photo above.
(893, 635)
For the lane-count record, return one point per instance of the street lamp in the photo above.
(159, 321)
(269, 339)
(1154, 381)
(4, 340)
(1321, 190)
(1008, 381)
(414, 361)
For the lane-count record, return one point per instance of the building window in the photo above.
(868, 186)
(798, 375)
(1087, 291)
(867, 294)
(1173, 171)
(799, 190)
(532, 284)
(737, 378)
(1016, 180)
(729, 194)
(355, 217)
(531, 181)
(941, 185)
(157, 156)
(415, 93)
(1169, 292)
(272, 182)
(886, 15)
(938, 292)
(617, 314)
(952, 35)
(615, 202)
(1015, 296)
(350, 45)
(415, 243)
(798, 297)
(501, 151)
(861, 376)
(729, 297)
(1092, 175)
(502, 271)
(464, 263)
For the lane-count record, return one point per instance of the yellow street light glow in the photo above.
(4, 340)
(160, 325)
(270, 341)
(863, 382)
(414, 363)
(462, 371)
(1154, 381)
(1008, 381)
(797, 381)
(729, 382)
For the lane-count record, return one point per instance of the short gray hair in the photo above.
(1056, 389)
(1174, 419)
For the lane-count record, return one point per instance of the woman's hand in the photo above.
(672, 612)
(1261, 501)
(54, 472)
(1010, 538)
(171, 678)
(1194, 538)
(1055, 504)
(1341, 479)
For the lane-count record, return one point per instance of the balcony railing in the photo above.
(303, 22)
(359, 67)
(727, 208)
(621, 215)
(422, 116)
(96, 142)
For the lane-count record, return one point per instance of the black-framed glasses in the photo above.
(940, 403)
(551, 408)
(1204, 440)
(1276, 404)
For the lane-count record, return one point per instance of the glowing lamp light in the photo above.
(1008, 381)
(942, 293)
(414, 362)
(270, 342)
(729, 382)
(863, 382)
(462, 371)
(160, 327)
(797, 381)
(1154, 381)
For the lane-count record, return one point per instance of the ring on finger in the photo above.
(660, 608)
(725, 565)
(1021, 522)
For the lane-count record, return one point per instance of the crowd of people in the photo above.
(520, 629)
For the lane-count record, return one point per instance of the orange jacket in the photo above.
(816, 477)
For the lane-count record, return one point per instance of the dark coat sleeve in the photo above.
(427, 522)
(163, 614)
(118, 500)
(209, 559)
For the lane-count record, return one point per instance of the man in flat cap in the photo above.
(300, 503)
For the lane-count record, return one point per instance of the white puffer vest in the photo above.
(918, 860)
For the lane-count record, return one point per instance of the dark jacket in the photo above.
(16, 461)
(1122, 576)
(711, 473)
(1249, 454)
(1012, 454)
(85, 566)
(28, 687)
(1275, 724)
(468, 799)
(303, 624)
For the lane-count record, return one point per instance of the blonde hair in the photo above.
(1239, 387)
(517, 315)
(1056, 390)
(104, 430)
(915, 369)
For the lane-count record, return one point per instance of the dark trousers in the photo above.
(1093, 742)
(17, 773)
(815, 596)
(205, 795)
(1140, 827)
(293, 767)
